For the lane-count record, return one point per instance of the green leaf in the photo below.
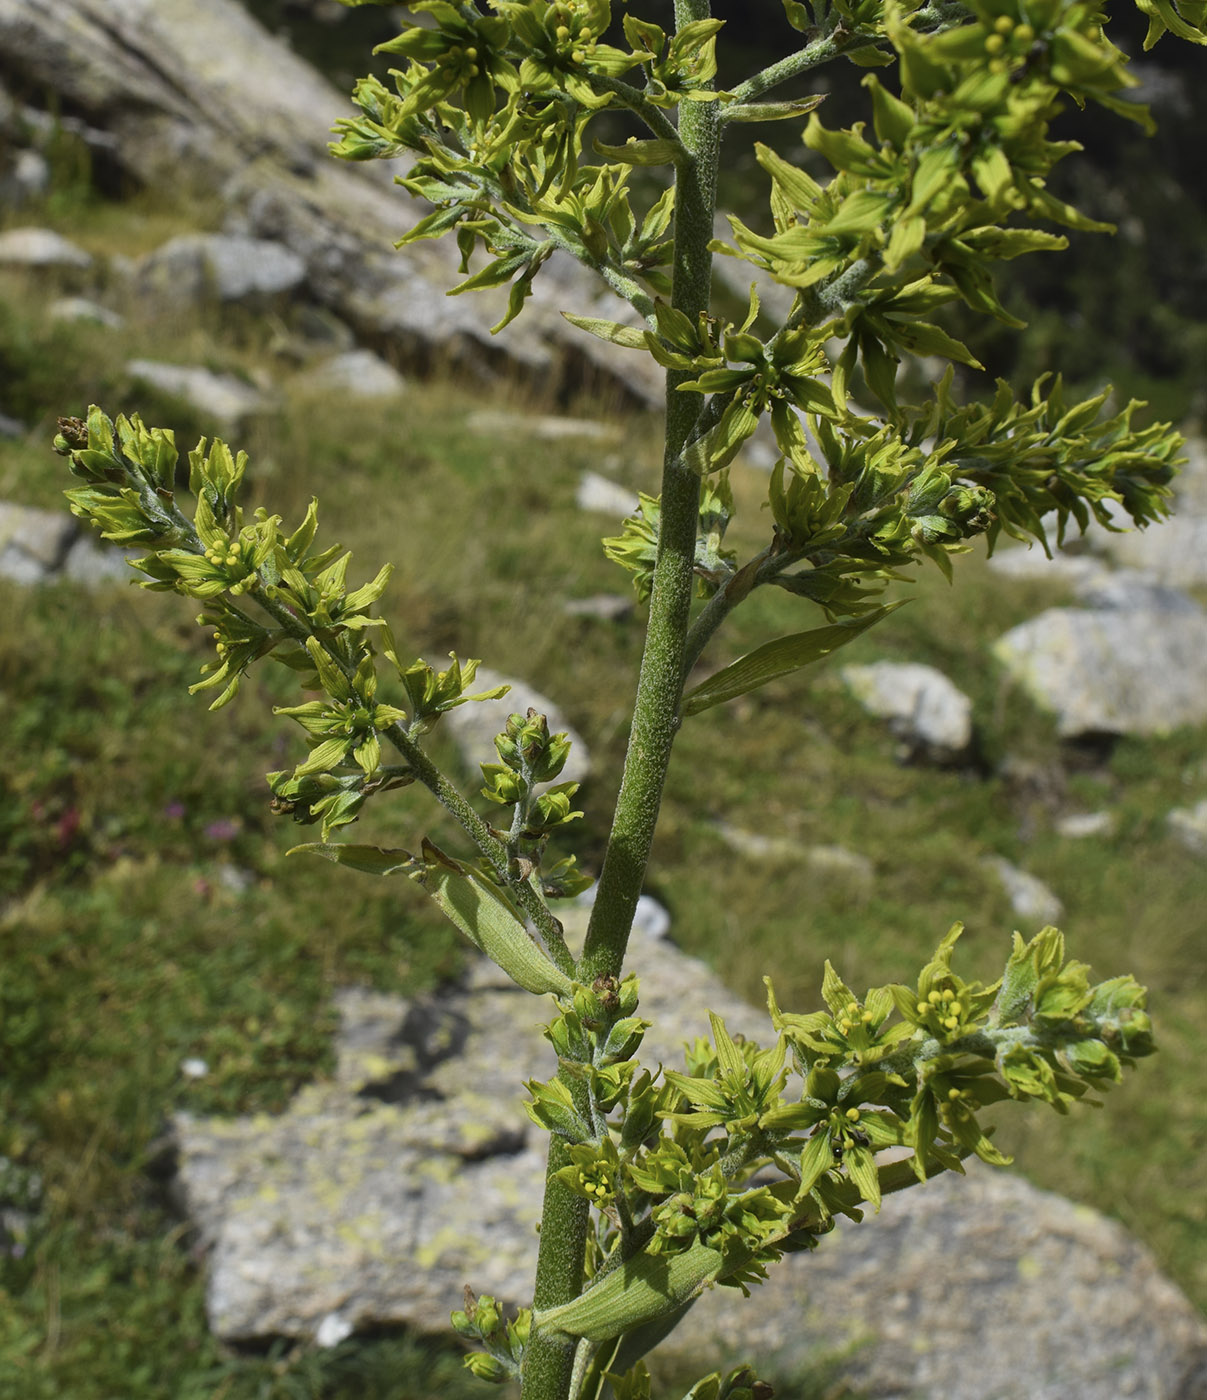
(771, 111)
(656, 151)
(778, 658)
(630, 337)
(480, 912)
(643, 1288)
(374, 860)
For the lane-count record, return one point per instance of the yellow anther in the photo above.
(996, 65)
(1024, 34)
(934, 998)
(867, 1018)
(471, 53)
(948, 994)
(922, 1008)
(952, 1022)
(994, 44)
(953, 1094)
(853, 1115)
(236, 546)
(1003, 24)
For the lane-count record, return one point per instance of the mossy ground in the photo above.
(150, 914)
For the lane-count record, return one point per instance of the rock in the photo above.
(376, 1196)
(220, 396)
(82, 309)
(27, 177)
(1030, 562)
(1078, 825)
(1029, 897)
(358, 373)
(1175, 551)
(548, 427)
(228, 267)
(354, 1202)
(33, 543)
(205, 88)
(825, 863)
(603, 497)
(1139, 671)
(93, 562)
(601, 607)
(1189, 825)
(976, 1288)
(1131, 590)
(922, 706)
(651, 920)
(474, 726)
(40, 247)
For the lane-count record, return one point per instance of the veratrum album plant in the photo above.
(650, 1196)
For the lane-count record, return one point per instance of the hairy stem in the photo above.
(548, 1363)
(655, 713)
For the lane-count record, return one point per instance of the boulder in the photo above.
(1189, 825)
(1135, 671)
(601, 496)
(24, 175)
(223, 397)
(40, 247)
(1076, 826)
(227, 267)
(601, 607)
(380, 1193)
(203, 95)
(357, 374)
(924, 709)
(1029, 897)
(548, 427)
(33, 543)
(83, 309)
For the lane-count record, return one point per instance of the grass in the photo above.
(148, 913)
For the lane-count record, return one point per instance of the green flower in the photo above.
(347, 725)
(456, 56)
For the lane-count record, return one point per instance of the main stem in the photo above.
(548, 1365)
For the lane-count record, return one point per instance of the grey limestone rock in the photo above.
(349, 1210)
(922, 706)
(601, 607)
(224, 397)
(205, 88)
(230, 267)
(1075, 826)
(41, 247)
(1029, 897)
(1134, 671)
(358, 373)
(1189, 825)
(84, 309)
(548, 427)
(601, 496)
(25, 175)
(33, 543)
(354, 1202)
(94, 563)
